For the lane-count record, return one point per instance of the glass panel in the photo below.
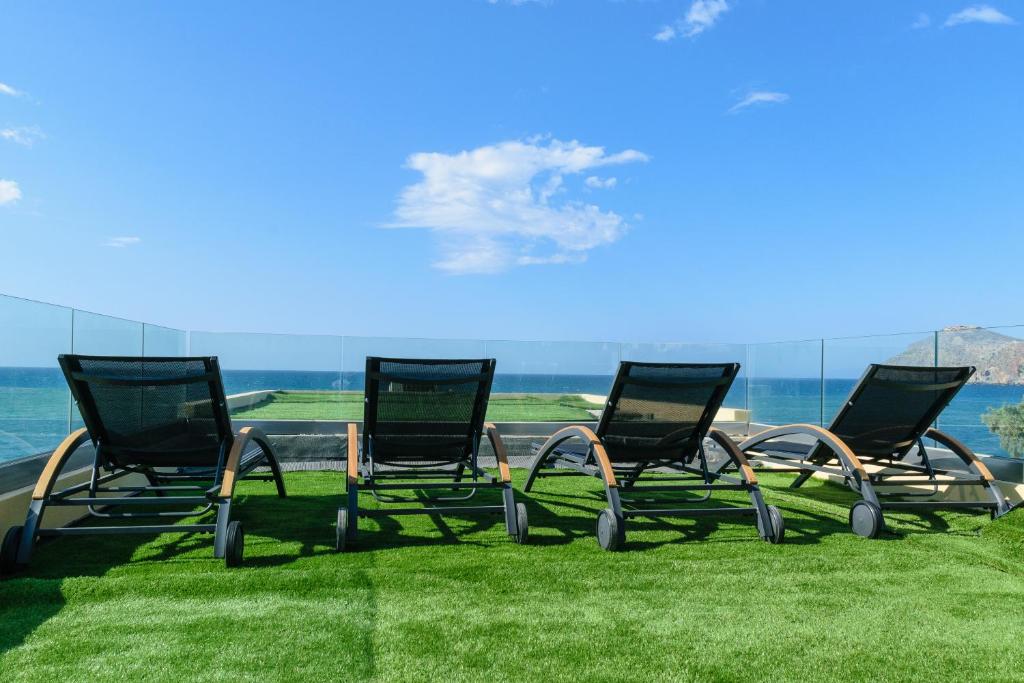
(280, 376)
(697, 353)
(551, 381)
(988, 413)
(784, 380)
(162, 341)
(103, 335)
(34, 399)
(846, 360)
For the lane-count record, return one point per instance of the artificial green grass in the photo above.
(326, 405)
(938, 597)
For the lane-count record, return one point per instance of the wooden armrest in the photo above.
(500, 453)
(821, 434)
(727, 444)
(48, 477)
(352, 457)
(242, 439)
(962, 451)
(588, 435)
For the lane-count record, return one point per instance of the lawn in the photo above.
(422, 599)
(325, 405)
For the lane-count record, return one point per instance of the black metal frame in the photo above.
(365, 472)
(830, 455)
(168, 483)
(690, 469)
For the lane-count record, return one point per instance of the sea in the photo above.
(36, 410)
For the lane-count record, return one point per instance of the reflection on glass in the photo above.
(358, 348)
(162, 341)
(988, 413)
(784, 381)
(280, 376)
(34, 399)
(550, 381)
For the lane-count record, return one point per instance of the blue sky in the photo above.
(719, 170)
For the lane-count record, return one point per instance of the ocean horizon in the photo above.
(35, 404)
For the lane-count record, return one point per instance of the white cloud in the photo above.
(122, 242)
(759, 97)
(978, 14)
(9, 192)
(922, 21)
(507, 204)
(666, 34)
(25, 135)
(8, 90)
(599, 184)
(702, 15)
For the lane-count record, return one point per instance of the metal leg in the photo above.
(28, 536)
(511, 522)
(353, 510)
(220, 534)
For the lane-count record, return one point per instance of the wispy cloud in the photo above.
(978, 14)
(702, 15)
(759, 97)
(24, 135)
(600, 184)
(8, 90)
(122, 242)
(922, 20)
(508, 204)
(9, 192)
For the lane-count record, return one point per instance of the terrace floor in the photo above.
(422, 599)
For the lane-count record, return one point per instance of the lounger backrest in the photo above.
(425, 410)
(151, 411)
(892, 406)
(662, 411)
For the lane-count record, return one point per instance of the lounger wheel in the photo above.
(778, 530)
(866, 519)
(522, 524)
(610, 532)
(234, 544)
(341, 532)
(9, 550)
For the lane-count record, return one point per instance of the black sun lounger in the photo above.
(885, 420)
(422, 425)
(161, 419)
(657, 417)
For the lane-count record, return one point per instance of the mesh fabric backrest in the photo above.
(892, 406)
(425, 410)
(662, 411)
(166, 411)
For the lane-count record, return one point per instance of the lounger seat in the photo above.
(884, 425)
(657, 418)
(162, 419)
(422, 425)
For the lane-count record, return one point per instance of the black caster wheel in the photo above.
(610, 532)
(522, 523)
(234, 544)
(778, 531)
(9, 550)
(866, 519)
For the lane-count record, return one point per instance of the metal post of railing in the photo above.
(821, 393)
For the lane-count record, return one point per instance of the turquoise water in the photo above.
(35, 404)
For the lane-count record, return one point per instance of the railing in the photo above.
(305, 377)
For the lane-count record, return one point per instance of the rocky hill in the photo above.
(999, 358)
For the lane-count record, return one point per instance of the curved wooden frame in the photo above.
(563, 435)
(962, 451)
(846, 456)
(500, 452)
(242, 439)
(51, 472)
(734, 452)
